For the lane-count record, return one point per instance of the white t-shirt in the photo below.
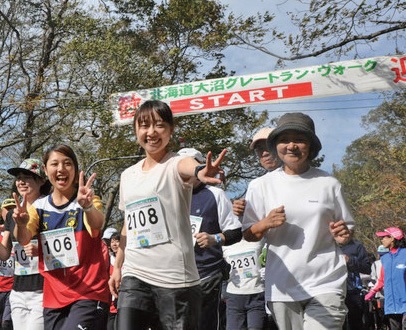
(303, 259)
(170, 264)
(245, 273)
(375, 273)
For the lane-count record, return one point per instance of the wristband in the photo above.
(198, 168)
(217, 237)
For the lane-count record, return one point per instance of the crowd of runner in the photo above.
(186, 257)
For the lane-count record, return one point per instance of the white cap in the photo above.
(262, 134)
(191, 152)
(382, 249)
(109, 232)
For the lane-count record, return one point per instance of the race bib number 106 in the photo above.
(59, 248)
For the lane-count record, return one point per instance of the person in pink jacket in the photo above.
(393, 277)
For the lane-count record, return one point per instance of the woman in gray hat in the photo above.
(26, 296)
(302, 213)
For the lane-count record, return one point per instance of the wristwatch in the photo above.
(217, 237)
(198, 168)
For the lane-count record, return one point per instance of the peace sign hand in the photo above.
(85, 191)
(20, 214)
(212, 169)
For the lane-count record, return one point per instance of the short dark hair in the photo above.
(115, 236)
(147, 110)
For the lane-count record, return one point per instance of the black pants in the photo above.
(355, 304)
(211, 298)
(397, 321)
(89, 314)
(145, 306)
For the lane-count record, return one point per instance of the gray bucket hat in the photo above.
(296, 121)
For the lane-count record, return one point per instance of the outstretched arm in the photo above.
(187, 167)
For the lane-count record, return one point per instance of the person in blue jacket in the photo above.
(393, 277)
(358, 262)
(213, 225)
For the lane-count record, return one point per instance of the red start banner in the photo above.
(249, 96)
(340, 78)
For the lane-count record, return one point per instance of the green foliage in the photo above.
(60, 61)
(233, 130)
(374, 172)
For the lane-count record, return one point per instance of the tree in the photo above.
(170, 46)
(57, 62)
(333, 28)
(232, 130)
(373, 172)
(60, 61)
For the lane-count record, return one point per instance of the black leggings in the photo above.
(134, 319)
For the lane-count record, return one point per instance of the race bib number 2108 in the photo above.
(145, 223)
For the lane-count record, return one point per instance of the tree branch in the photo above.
(346, 41)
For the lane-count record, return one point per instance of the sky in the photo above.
(337, 119)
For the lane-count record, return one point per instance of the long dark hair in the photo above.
(399, 243)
